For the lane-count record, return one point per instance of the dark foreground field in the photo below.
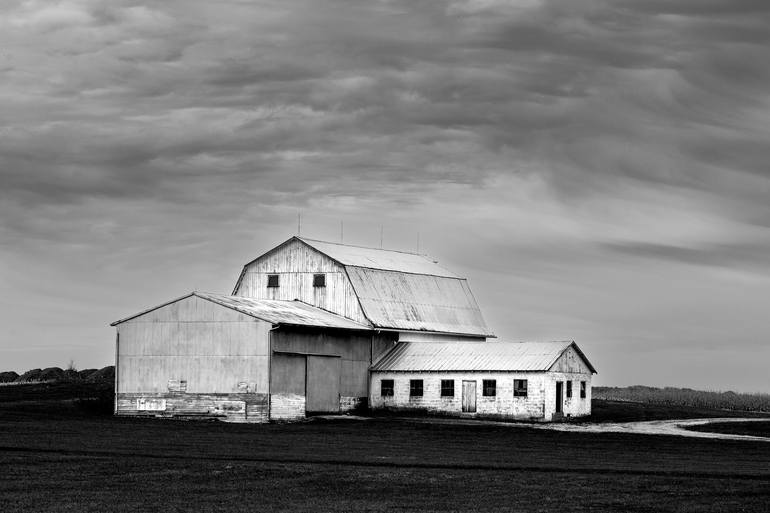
(735, 428)
(60, 457)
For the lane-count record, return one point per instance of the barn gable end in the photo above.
(296, 263)
(572, 360)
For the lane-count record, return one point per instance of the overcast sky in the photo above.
(599, 170)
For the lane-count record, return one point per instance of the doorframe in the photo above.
(559, 397)
(475, 393)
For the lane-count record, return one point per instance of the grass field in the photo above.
(58, 456)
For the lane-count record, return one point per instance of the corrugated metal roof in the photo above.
(284, 312)
(295, 313)
(474, 356)
(394, 300)
(373, 258)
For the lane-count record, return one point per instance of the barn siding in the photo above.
(229, 407)
(353, 349)
(570, 362)
(288, 369)
(199, 357)
(295, 263)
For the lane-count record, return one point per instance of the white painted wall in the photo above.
(540, 403)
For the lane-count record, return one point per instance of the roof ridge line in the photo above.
(365, 247)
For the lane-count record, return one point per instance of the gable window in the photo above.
(447, 388)
(386, 388)
(415, 388)
(272, 281)
(582, 389)
(569, 389)
(319, 280)
(519, 388)
(490, 387)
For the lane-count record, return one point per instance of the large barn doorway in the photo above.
(323, 384)
(559, 396)
(469, 396)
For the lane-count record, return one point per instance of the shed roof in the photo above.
(375, 258)
(292, 313)
(475, 356)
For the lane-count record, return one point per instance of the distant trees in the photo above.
(58, 375)
(671, 396)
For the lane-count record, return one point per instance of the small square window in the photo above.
(319, 280)
(569, 389)
(447, 388)
(415, 388)
(582, 389)
(519, 388)
(386, 388)
(490, 387)
(272, 280)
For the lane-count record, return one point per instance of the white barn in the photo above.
(315, 327)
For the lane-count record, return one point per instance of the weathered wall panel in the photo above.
(295, 263)
(353, 348)
(570, 362)
(287, 374)
(245, 407)
(287, 407)
(323, 384)
(191, 353)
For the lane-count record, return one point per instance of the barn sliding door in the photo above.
(323, 384)
(469, 396)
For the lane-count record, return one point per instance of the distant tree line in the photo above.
(671, 396)
(58, 375)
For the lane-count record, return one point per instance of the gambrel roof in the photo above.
(476, 356)
(382, 259)
(398, 290)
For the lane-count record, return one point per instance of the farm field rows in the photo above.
(59, 460)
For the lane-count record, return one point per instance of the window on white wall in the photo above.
(519, 388)
(569, 389)
(272, 281)
(415, 388)
(582, 389)
(447, 388)
(490, 387)
(386, 388)
(319, 280)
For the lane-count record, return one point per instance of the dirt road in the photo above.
(651, 427)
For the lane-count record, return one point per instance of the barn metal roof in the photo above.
(384, 259)
(398, 290)
(475, 356)
(394, 300)
(294, 313)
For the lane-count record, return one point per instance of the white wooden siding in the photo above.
(296, 263)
